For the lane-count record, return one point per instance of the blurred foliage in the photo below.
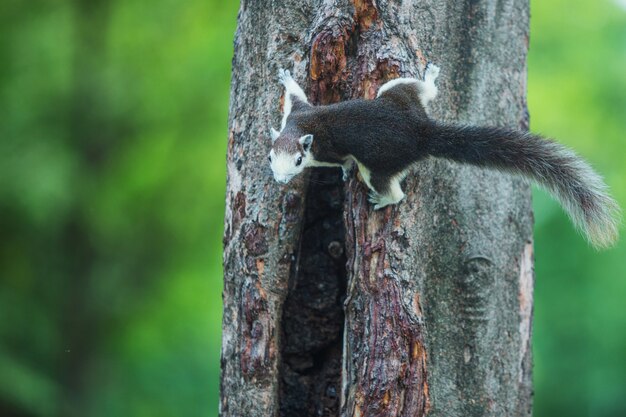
(112, 178)
(577, 93)
(112, 175)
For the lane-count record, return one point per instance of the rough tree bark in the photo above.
(333, 309)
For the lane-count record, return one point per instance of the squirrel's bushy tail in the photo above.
(581, 191)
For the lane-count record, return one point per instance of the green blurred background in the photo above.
(113, 127)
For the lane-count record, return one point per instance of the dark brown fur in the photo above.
(392, 132)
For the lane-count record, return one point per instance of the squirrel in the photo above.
(388, 135)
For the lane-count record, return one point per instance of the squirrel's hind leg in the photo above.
(386, 191)
(428, 88)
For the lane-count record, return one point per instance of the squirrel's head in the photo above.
(290, 154)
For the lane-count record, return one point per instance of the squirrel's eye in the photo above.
(298, 161)
(270, 158)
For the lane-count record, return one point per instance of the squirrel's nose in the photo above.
(281, 179)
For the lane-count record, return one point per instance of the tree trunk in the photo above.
(437, 292)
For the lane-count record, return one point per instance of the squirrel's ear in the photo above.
(306, 142)
(274, 134)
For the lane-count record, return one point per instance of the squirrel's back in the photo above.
(378, 134)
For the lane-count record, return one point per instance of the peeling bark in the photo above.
(434, 315)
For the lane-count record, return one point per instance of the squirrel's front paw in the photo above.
(346, 170)
(284, 76)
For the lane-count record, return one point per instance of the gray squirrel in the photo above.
(386, 136)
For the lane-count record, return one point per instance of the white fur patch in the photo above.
(426, 89)
(428, 92)
(291, 89)
(431, 73)
(395, 193)
(365, 174)
(274, 134)
(283, 163)
(314, 163)
(284, 166)
(395, 82)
